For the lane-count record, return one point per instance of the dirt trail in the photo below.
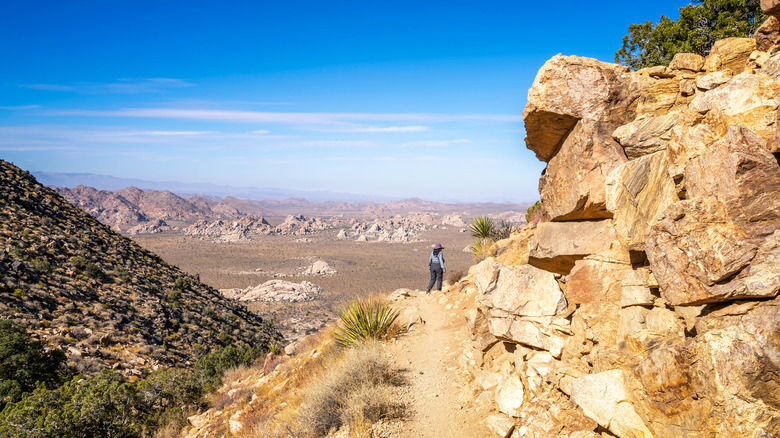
(429, 354)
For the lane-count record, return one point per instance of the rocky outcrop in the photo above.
(230, 231)
(648, 304)
(275, 290)
(319, 268)
(151, 227)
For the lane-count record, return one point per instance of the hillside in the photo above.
(100, 297)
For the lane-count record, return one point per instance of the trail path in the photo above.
(429, 354)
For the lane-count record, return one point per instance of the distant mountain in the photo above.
(97, 295)
(106, 182)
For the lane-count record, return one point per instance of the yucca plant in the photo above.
(364, 319)
(482, 227)
(481, 248)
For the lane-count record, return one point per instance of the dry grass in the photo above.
(454, 275)
(357, 390)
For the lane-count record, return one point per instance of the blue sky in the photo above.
(396, 99)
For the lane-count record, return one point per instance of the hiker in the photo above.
(436, 266)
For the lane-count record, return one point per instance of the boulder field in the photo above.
(646, 303)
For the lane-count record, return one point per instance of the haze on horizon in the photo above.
(409, 99)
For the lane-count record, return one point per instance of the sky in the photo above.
(394, 99)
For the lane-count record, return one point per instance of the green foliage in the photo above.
(106, 405)
(699, 26)
(182, 283)
(209, 368)
(364, 319)
(482, 227)
(480, 249)
(504, 230)
(78, 262)
(531, 210)
(24, 363)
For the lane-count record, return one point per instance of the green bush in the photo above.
(364, 319)
(529, 214)
(24, 363)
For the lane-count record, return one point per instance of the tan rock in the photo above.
(536, 333)
(604, 398)
(768, 34)
(637, 193)
(646, 134)
(556, 246)
(687, 61)
(510, 396)
(572, 187)
(748, 99)
(731, 53)
(723, 382)
(713, 80)
(525, 291)
(660, 97)
(703, 250)
(501, 425)
(593, 280)
(771, 7)
(738, 167)
(634, 290)
(567, 89)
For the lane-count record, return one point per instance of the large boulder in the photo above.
(723, 382)
(556, 246)
(637, 193)
(522, 291)
(730, 53)
(568, 89)
(572, 186)
(646, 134)
(705, 250)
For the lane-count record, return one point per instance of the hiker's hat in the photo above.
(438, 246)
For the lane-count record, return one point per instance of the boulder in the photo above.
(556, 246)
(704, 250)
(712, 80)
(658, 97)
(572, 186)
(524, 291)
(593, 280)
(771, 7)
(637, 193)
(687, 61)
(538, 333)
(646, 134)
(730, 53)
(510, 396)
(634, 290)
(501, 425)
(747, 99)
(319, 268)
(723, 382)
(604, 398)
(768, 34)
(567, 89)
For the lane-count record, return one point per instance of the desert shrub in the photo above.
(79, 262)
(362, 320)
(209, 369)
(24, 364)
(182, 283)
(481, 249)
(529, 214)
(354, 390)
(504, 230)
(42, 266)
(454, 275)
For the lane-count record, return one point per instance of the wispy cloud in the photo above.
(340, 143)
(20, 107)
(435, 143)
(120, 86)
(346, 120)
(414, 128)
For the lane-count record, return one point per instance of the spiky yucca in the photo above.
(364, 319)
(482, 227)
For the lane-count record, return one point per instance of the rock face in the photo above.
(647, 304)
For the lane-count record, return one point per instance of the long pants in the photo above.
(436, 276)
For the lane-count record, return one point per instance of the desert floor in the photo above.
(363, 268)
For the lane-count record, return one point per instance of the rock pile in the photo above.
(319, 268)
(230, 231)
(152, 227)
(648, 305)
(275, 290)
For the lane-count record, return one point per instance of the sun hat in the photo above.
(438, 246)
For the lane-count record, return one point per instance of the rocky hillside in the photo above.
(647, 305)
(136, 211)
(101, 298)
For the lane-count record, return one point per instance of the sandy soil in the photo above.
(429, 353)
